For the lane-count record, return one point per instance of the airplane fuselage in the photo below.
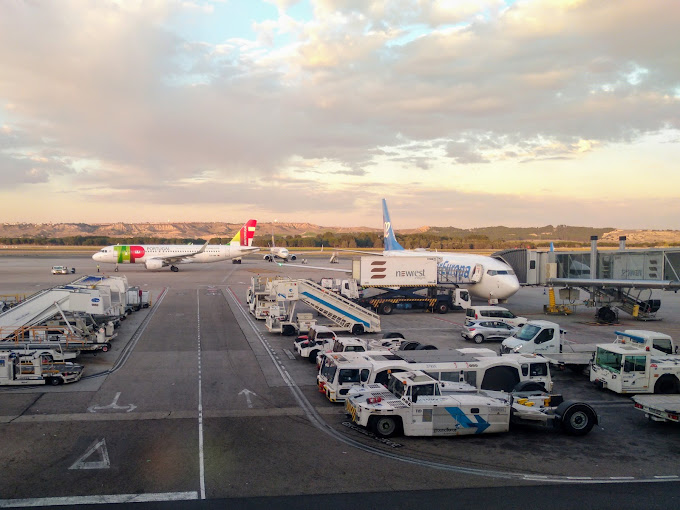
(497, 281)
(142, 254)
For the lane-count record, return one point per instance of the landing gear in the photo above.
(116, 268)
(174, 269)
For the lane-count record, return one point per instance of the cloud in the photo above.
(356, 83)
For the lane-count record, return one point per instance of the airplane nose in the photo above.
(510, 286)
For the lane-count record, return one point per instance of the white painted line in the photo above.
(113, 405)
(99, 446)
(99, 499)
(248, 393)
(622, 478)
(201, 460)
(667, 477)
(289, 354)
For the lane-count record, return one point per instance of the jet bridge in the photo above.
(345, 314)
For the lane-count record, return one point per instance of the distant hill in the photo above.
(204, 230)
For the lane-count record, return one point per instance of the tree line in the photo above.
(361, 240)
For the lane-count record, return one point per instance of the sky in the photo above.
(462, 113)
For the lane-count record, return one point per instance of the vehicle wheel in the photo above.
(105, 348)
(116, 270)
(386, 308)
(174, 269)
(54, 381)
(529, 386)
(666, 384)
(358, 329)
(312, 356)
(385, 426)
(478, 339)
(288, 330)
(577, 419)
(442, 308)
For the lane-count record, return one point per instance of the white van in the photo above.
(497, 313)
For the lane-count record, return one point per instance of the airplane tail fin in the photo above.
(388, 232)
(244, 237)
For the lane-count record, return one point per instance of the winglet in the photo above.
(388, 232)
(244, 237)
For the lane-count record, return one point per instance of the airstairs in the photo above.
(635, 302)
(345, 314)
(35, 309)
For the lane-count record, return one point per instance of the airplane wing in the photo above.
(178, 259)
(622, 284)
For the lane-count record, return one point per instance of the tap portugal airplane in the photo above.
(484, 277)
(156, 256)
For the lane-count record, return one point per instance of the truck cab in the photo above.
(650, 340)
(626, 368)
(535, 337)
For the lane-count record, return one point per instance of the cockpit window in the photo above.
(494, 272)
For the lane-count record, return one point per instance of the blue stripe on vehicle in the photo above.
(333, 307)
(459, 415)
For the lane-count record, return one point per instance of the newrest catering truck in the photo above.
(406, 282)
(634, 366)
(342, 371)
(414, 404)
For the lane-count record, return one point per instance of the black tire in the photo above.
(312, 356)
(385, 426)
(478, 339)
(54, 381)
(116, 270)
(667, 384)
(288, 330)
(106, 348)
(442, 307)
(358, 329)
(529, 386)
(577, 419)
(393, 334)
(386, 308)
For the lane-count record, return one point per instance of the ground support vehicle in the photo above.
(67, 337)
(28, 369)
(659, 407)
(430, 299)
(414, 405)
(52, 349)
(60, 270)
(626, 368)
(483, 330)
(342, 344)
(547, 339)
(407, 282)
(258, 297)
(346, 315)
(342, 371)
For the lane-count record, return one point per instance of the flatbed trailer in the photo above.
(659, 407)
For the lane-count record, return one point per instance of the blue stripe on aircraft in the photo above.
(333, 307)
(459, 415)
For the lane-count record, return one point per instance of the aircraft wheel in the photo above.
(174, 269)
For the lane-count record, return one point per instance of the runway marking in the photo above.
(201, 459)
(97, 446)
(113, 405)
(248, 393)
(315, 419)
(98, 499)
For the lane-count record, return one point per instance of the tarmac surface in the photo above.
(208, 405)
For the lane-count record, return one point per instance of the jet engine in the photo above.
(268, 258)
(293, 257)
(154, 264)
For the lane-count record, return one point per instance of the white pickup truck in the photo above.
(413, 404)
(547, 339)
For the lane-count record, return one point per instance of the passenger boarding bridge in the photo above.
(622, 278)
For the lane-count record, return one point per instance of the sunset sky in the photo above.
(459, 112)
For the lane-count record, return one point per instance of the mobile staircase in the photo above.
(632, 301)
(345, 314)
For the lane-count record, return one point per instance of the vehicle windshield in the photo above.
(328, 371)
(396, 386)
(608, 360)
(527, 332)
(349, 375)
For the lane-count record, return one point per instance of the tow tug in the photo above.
(413, 404)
